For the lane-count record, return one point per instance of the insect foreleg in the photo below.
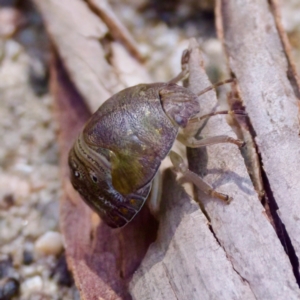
(194, 143)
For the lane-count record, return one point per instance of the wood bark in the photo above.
(239, 255)
(258, 56)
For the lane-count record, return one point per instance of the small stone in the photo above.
(29, 271)
(27, 257)
(10, 20)
(32, 284)
(61, 274)
(9, 287)
(14, 186)
(5, 266)
(38, 77)
(12, 49)
(49, 243)
(8, 201)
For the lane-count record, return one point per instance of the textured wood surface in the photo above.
(79, 47)
(241, 256)
(257, 58)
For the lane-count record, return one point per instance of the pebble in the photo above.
(49, 243)
(12, 50)
(7, 202)
(10, 20)
(9, 287)
(27, 257)
(61, 273)
(29, 271)
(32, 284)
(15, 186)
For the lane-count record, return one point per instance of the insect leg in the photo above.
(213, 86)
(184, 67)
(181, 167)
(221, 112)
(194, 143)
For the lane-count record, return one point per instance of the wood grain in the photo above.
(257, 58)
(233, 259)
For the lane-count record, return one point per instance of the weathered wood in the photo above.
(101, 259)
(186, 261)
(76, 32)
(116, 28)
(242, 226)
(181, 262)
(257, 58)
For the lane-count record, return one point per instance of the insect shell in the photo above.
(120, 149)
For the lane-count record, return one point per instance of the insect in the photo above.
(116, 156)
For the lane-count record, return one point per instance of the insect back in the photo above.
(116, 157)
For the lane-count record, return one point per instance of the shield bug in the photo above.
(116, 156)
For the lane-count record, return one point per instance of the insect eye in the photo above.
(94, 178)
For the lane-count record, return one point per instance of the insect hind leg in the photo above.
(188, 175)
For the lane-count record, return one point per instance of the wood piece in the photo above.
(292, 71)
(257, 58)
(181, 263)
(101, 259)
(186, 261)
(241, 226)
(77, 34)
(116, 28)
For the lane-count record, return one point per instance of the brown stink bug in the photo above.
(116, 156)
